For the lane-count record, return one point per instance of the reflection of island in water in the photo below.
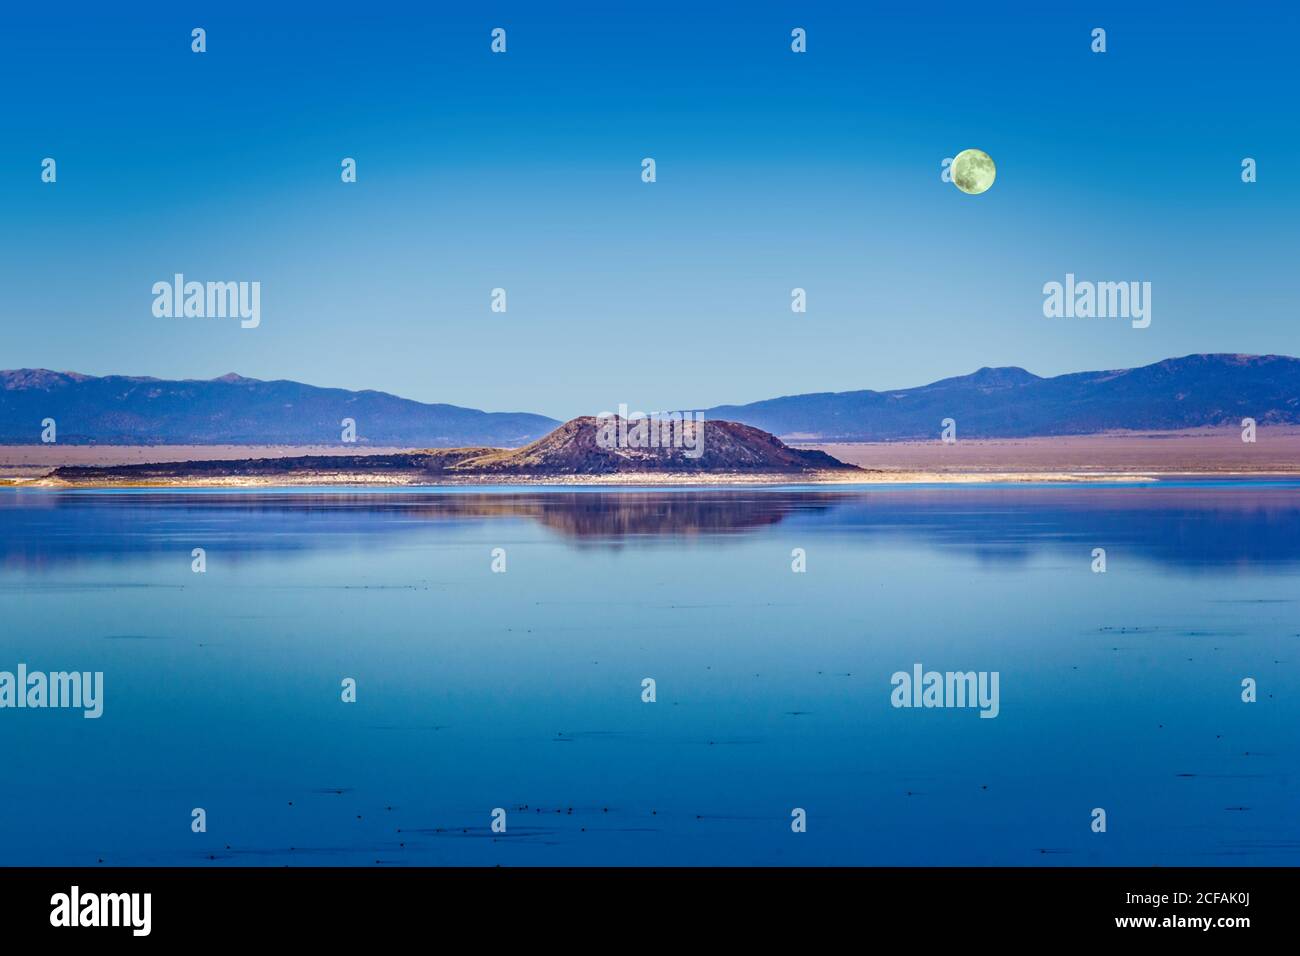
(1191, 525)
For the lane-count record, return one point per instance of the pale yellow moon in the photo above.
(973, 171)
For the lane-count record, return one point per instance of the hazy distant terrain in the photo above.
(1191, 392)
(1196, 391)
(125, 410)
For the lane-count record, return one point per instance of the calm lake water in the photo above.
(523, 690)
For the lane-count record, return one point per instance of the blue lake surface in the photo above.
(523, 690)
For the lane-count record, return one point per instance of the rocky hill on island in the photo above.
(576, 448)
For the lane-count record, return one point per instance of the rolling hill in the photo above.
(1188, 392)
(573, 449)
(127, 410)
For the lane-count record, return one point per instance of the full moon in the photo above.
(973, 171)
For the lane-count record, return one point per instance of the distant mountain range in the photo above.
(128, 410)
(1188, 392)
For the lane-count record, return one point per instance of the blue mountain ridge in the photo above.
(1188, 392)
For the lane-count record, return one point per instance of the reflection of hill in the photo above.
(1194, 526)
(36, 529)
(676, 515)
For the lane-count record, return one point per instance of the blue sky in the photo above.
(522, 171)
